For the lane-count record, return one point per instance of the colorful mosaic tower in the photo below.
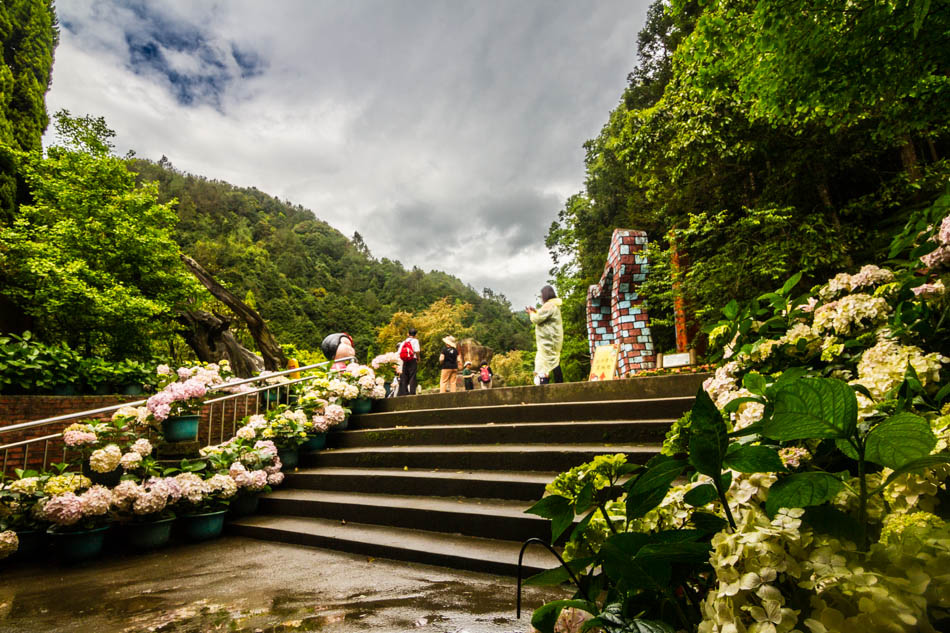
(615, 312)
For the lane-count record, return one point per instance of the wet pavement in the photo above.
(248, 586)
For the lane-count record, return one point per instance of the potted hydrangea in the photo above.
(177, 404)
(203, 503)
(18, 510)
(78, 518)
(145, 510)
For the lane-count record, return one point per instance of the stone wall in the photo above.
(615, 312)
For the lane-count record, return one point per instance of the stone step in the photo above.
(608, 432)
(493, 484)
(627, 409)
(534, 457)
(626, 389)
(487, 518)
(431, 548)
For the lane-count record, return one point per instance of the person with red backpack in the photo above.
(408, 352)
(484, 376)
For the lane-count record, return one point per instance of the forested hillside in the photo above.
(306, 278)
(768, 138)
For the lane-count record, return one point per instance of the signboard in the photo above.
(604, 364)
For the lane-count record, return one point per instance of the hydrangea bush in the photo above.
(816, 462)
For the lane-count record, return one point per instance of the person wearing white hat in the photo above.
(449, 362)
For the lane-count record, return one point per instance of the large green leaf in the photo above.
(559, 574)
(898, 440)
(812, 408)
(701, 495)
(801, 490)
(709, 438)
(753, 459)
(557, 508)
(648, 490)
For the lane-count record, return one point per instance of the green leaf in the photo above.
(801, 490)
(545, 617)
(829, 520)
(754, 382)
(847, 448)
(584, 498)
(915, 465)
(582, 525)
(557, 508)
(942, 394)
(791, 283)
(559, 574)
(898, 440)
(648, 490)
(708, 522)
(701, 495)
(731, 311)
(709, 438)
(812, 408)
(753, 459)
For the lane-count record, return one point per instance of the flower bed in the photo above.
(817, 459)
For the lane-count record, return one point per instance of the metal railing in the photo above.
(223, 401)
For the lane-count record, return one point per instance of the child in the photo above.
(467, 376)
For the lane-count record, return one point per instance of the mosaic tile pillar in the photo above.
(615, 312)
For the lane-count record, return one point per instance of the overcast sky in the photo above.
(448, 133)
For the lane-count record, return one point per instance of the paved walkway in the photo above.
(251, 586)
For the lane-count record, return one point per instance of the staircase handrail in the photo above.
(137, 403)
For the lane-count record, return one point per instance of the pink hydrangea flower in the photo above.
(96, 501)
(275, 479)
(78, 438)
(64, 509)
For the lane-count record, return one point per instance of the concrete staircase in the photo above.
(444, 479)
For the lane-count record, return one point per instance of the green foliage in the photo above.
(513, 368)
(28, 37)
(92, 259)
(767, 138)
(31, 367)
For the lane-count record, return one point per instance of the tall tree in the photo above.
(28, 37)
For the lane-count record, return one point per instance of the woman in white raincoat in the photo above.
(549, 335)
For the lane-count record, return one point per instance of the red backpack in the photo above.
(406, 352)
(485, 374)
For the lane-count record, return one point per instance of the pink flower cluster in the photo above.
(64, 509)
(335, 413)
(161, 403)
(252, 480)
(266, 448)
(940, 256)
(78, 438)
(320, 424)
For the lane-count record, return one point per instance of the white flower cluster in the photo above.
(105, 459)
(851, 314)
(882, 367)
(868, 276)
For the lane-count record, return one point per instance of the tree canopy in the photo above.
(767, 137)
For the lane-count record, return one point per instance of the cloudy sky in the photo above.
(447, 132)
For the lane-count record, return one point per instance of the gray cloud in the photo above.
(462, 120)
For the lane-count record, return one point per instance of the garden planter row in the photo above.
(78, 546)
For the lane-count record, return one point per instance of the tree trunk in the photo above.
(211, 338)
(909, 159)
(274, 359)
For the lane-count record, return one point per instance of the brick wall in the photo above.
(615, 312)
(217, 423)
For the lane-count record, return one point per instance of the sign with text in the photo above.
(604, 364)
